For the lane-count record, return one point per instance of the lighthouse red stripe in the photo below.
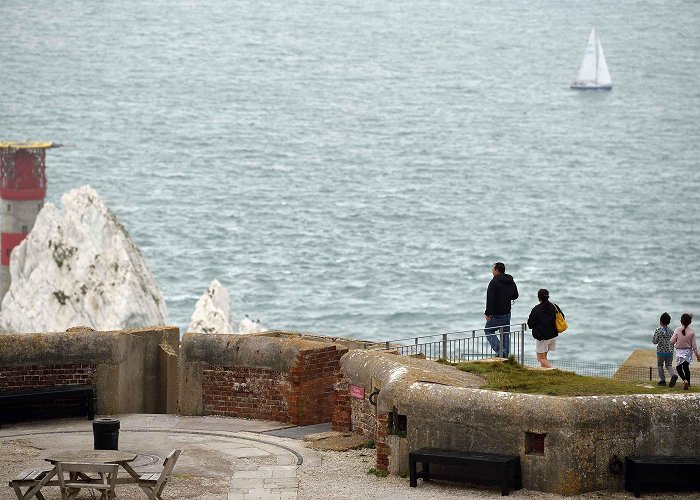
(7, 243)
(22, 194)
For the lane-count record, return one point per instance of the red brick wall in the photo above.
(383, 449)
(363, 417)
(246, 393)
(29, 377)
(313, 378)
(303, 396)
(342, 414)
(353, 414)
(360, 417)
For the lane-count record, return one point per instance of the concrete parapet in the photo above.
(567, 445)
(122, 365)
(347, 343)
(643, 361)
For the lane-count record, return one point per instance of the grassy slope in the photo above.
(512, 377)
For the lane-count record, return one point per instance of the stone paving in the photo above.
(245, 456)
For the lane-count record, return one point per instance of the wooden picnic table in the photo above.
(122, 458)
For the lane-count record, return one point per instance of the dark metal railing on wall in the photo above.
(465, 345)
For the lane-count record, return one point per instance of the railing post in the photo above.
(523, 327)
(387, 345)
(500, 344)
(444, 346)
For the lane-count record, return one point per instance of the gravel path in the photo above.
(343, 475)
(337, 475)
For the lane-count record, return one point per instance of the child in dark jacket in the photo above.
(664, 350)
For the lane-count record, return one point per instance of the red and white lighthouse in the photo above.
(22, 191)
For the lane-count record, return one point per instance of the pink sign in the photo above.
(357, 392)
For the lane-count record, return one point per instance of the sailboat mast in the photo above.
(597, 57)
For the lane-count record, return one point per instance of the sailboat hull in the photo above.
(589, 86)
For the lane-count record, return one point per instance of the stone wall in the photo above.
(272, 376)
(160, 379)
(123, 366)
(567, 445)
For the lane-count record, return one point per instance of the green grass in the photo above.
(368, 444)
(377, 472)
(511, 376)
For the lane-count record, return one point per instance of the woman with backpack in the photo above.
(542, 322)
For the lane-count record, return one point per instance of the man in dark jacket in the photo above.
(502, 291)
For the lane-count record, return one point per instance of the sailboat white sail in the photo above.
(594, 73)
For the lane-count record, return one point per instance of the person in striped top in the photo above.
(664, 350)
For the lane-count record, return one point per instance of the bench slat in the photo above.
(150, 477)
(438, 454)
(30, 475)
(48, 390)
(652, 460)
(88, 484)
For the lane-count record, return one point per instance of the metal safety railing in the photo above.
(630, 373)
(467, 345)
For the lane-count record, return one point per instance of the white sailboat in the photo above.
(594, 73)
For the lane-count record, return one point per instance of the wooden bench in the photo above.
(502, 470)
(27, 479)
(667, 473)
(10, 399)
(153, 483)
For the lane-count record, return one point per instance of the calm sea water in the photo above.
(355, 168)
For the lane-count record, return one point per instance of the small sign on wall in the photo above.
(357, 392)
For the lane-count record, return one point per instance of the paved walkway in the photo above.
(238, 459)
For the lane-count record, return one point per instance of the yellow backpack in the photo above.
(559, 319)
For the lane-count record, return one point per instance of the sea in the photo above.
(355, 168)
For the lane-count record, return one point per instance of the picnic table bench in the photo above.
(502, 470)
(28, 479)
(10, 400)
(654, 472)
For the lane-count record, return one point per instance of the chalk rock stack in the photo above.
(212, 314)
(79, 267)
(247, 325)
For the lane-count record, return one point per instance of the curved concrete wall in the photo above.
(566, 444)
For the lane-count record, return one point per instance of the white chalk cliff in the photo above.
(212, 314)
(79, 267)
